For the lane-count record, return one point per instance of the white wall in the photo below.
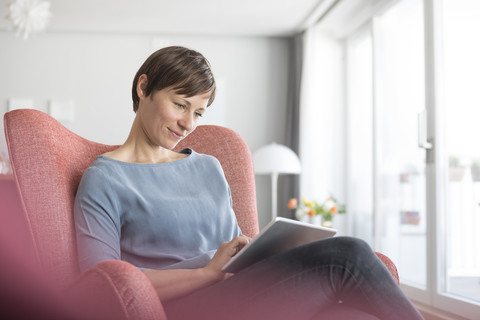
(96, 70)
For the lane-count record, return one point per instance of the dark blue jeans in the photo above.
(336, 278)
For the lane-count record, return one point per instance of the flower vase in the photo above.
(315, 220)
(328, 223)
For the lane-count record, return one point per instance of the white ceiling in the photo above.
(201, 17)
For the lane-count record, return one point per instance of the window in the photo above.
(413, 156)
(400, 195)
(461, 151)
(359, 120)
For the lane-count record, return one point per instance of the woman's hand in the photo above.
(224, 253)
(171, 284)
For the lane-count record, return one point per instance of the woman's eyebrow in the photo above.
(188, 103)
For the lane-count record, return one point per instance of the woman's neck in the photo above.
(138, 149)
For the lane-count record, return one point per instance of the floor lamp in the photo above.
(275, 159)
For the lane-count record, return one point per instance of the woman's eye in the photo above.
(180, 106)
(198, 115)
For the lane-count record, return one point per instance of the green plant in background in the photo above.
(476, 164)
(475, 169)
(327, 209)
(453, 161)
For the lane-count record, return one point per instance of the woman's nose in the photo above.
(187, 122)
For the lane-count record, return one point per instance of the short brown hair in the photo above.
(187, 71)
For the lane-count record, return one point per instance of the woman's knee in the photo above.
(331, 251)
(352, 244)
(337, 249)
(340, 245)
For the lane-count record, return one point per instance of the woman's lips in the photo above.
(176, 135)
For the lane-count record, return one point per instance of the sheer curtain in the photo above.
(288, 186)
(321, 117)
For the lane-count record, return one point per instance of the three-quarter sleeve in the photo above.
(97, 221)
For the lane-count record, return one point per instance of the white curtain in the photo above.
(322, 117)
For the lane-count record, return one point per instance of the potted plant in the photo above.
(314, 211)
(475, 169)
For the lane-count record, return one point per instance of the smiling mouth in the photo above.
(176, 135)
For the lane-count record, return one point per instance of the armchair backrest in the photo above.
(48, 161)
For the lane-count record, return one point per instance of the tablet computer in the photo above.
(279, 235)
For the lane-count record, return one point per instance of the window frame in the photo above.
(433, 299)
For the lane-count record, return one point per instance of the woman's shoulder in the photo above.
(96, 172)
(202, 157)
(209, 164)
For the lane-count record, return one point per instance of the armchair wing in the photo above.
(48, 161)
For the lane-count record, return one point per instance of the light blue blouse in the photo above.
(156, 216)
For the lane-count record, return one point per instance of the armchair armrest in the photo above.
(390, 266)
(115, 289)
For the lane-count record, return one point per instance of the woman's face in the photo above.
(167, 117)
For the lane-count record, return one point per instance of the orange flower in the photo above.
(311, 213)
(292, 203)
(333, 209)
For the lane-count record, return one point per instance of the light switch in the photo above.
(62, 110)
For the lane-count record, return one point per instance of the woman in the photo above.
(171, 215)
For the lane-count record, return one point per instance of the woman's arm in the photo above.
(171, 284)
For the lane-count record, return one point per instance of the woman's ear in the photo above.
(142, 86)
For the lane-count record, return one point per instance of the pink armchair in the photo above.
(48, 161)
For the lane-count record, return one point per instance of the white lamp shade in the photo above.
(276, 158)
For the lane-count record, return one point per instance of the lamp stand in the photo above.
(274, 176)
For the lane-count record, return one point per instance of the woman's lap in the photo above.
(299, 284)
